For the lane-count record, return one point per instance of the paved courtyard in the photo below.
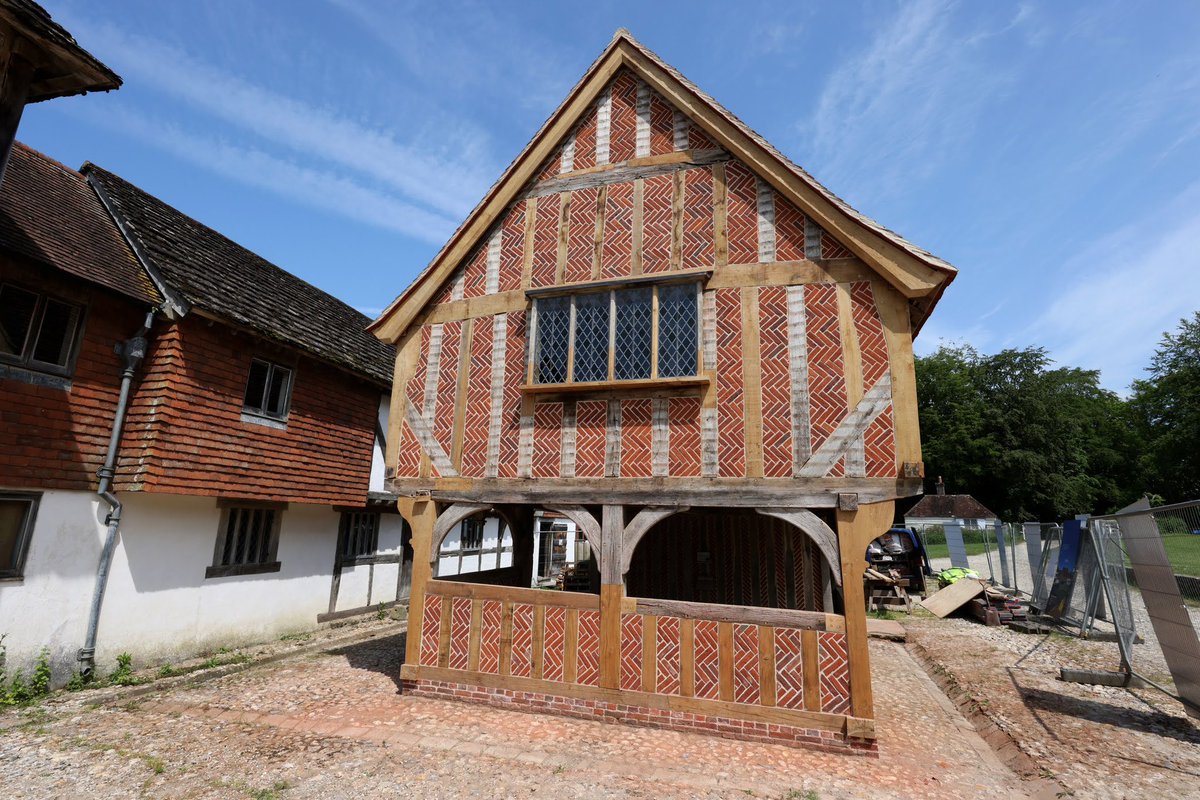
(332, 725)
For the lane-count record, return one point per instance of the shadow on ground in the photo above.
(383, 655)
(1147, 721)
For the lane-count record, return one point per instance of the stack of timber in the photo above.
(886, 590)
(995, 607)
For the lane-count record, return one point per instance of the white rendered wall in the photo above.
(48, 607)
(378, 460)
(159, 605)
(356, 581)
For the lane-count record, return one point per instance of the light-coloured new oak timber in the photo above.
(527, 244)
(810, 665)
(639, 202)
(720, 217)
(725, 660)
(893, 312)
(856, 529)
(421, 515)
(564, 228)
(766, 665)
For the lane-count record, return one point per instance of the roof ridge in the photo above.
(90, 166)
(51, 161)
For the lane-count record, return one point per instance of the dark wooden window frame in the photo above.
(25, 359)
(15, 570)
(231, 512)
(352, 544)
(259, 412)
(535, 382)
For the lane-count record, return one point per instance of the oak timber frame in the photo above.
(872, 291)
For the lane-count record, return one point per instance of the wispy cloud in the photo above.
(469, 46)
(315, 188)
(898, 108)
(1124, 291)
(443, 171)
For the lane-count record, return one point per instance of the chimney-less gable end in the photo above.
(625, 110)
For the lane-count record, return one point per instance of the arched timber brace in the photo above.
(448, 519)
(821, 534)
(638, 527)
(584, 520)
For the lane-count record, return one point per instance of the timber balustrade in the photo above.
(762, 664)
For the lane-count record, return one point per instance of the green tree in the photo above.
(1028, 441)
(1167, 407)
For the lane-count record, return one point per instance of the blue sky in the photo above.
(1048, 150)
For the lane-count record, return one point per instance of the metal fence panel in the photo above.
(1001, 551)
(1160, 591)
(956, 546)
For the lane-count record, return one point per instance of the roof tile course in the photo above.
(223, 278)
(49, 213)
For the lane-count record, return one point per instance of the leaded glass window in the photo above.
(591, 337)
(553, 339)
(634, 332)
(609, 335)
(678, 346)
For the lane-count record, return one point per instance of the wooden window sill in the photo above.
(609, 386)
(234, 570)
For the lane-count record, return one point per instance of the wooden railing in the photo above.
(740, 654)
(765, 664)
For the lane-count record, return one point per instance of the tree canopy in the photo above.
(1027, 440)
(1166, 406)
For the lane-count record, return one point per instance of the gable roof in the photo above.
(49, 213)
(949, 506)
(917, 274)
(64, 68)
(216, 274)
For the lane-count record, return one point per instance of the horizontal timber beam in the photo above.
(622, 172)
(783, 493)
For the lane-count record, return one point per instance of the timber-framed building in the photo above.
(658, 326)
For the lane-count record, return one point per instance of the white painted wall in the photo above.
(448, 561)
(48, 607)
(158, 605)
(378, 460)
(353, 591)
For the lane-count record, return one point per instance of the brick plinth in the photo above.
(604, 711)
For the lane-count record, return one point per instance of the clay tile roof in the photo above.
(69, 69)
(49, 214)
(955, 506)
(220, 276)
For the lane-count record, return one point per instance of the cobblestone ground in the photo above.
(1101, 742)
(332, 725)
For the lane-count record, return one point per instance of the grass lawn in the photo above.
(1184, 551)
(943, 550)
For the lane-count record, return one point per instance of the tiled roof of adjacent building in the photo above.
(68, 68)
(225, 279)
(49, 214)
(949, 506)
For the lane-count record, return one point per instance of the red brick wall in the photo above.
(185, 434)
(56, 438)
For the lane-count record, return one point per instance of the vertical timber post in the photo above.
(421, 513)
(856, 529)
(612, 592)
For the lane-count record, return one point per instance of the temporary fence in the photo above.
(1157, 542)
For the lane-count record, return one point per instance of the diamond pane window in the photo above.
(591, 337)
(553, 336)
(631, 344)
(609, 334)
(678, 345)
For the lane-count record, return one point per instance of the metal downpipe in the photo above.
(132, 352)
